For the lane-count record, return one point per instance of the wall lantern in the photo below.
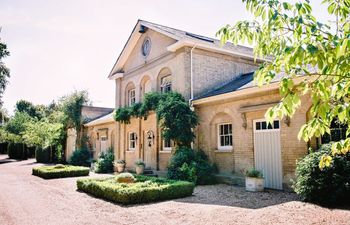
(150, 138)
(287, 120)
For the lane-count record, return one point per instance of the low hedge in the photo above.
(60, 171)
(144, 190)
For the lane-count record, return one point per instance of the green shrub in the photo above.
(3, 148)
(191, 165)
(125, 178)
(254, 173)
(327, 186)
(104, 163)
(80, 157)
(60, 171)
(144, 190)
(16, 151)
(42, 155)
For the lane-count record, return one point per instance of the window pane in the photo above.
(276, 124)
(269, 126)
(221, 129)
(257, 126)
(230, 128)
(222, 141)
(263, 125)
(225, 129)
(230, 140)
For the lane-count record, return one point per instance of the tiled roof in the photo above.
(90, 113)
(240, 82)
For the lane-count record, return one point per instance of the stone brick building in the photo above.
(218, 81)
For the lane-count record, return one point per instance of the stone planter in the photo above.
(120, 167)
(140, 169)
(254, 184)
(92, 166)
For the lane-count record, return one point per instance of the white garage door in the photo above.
(267, 152)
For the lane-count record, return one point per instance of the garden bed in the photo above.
(60, 171)
(145, 189)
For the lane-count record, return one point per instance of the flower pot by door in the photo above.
(120, 167)
(140, 170)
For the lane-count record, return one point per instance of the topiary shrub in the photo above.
(80, 157)
(16, 151)
(60, 171)
(328, 186)
(42, 155)
(104, 163)
(3, 148)
(188, 164)
(125, 178)
(144, 190)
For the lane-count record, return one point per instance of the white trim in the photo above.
(226, 147)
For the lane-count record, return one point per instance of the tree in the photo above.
(304, 47)
(71, 106)
(24, 106)
(4, 71)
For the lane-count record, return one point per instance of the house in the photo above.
(88, 113)
(218, 81)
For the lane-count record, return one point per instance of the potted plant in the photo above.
(120, 165)
(93, 165)
(140, 166)
(254, 180)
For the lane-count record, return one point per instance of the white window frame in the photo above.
(131, 97)
(226, 147)
(130, 141)
(166, 148)
(163, 86)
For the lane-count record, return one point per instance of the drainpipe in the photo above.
(190, 101)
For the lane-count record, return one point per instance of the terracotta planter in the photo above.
(120, 167)
(254, 184)
(140, 169)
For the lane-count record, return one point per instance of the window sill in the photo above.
(130, 151)
(165, 151)
(223, 150)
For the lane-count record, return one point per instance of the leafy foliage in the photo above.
(4, 71)
(144, 190)
(80, 157)
(313, 56)
(188, 164)
(24, 106)
(105, 161)
(330, 185)
(175, 117)
(254, 173)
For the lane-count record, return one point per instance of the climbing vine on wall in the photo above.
(174, 115)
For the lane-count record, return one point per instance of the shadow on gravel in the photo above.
(226, 195)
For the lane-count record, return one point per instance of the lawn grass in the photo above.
(144, 190)
(60, 171)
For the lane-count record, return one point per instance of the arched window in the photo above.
(165, 80)
(130, 94)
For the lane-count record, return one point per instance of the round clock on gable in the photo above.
(146, 47)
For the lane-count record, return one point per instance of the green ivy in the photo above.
(174, 115)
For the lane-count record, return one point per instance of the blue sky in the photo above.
(60, 45)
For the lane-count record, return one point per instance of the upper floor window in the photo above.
(131, 97)
(225, 136)
(165, 84)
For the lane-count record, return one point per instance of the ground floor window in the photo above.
(338, 132)
(167, 145)
(132, 141)
(225, 136)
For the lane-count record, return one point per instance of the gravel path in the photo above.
(26, 199)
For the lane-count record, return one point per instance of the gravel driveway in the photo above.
(26, 199)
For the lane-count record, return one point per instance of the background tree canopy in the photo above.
(4, 71)
(302, 46)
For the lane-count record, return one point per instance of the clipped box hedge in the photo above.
(60, 171)
(144, 190)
